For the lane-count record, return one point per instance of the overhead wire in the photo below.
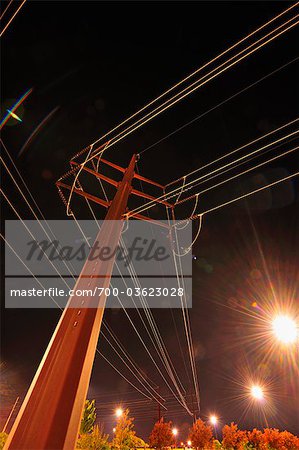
(52, 298)
(160, 344)
(194, 86)
(11, 19)
(182, 353)
(137, 368)
(168, 195)
(248, 194)
(198, 70)
(33, 212)
(6, 8)
(165, 358)
(205, 113)
(186, 319)
(287, 152)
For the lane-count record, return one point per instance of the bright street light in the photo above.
(285, 329)
(118, 412)
(114, 430)
(213, 420)
(189, 443)
(257, 392)
(175, 431)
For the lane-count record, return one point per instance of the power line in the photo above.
(200, 116)
(195, 85)
(198, 70)
(188, 185)
(11, 19)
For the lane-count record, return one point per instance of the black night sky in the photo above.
(94, 63)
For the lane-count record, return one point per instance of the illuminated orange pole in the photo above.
(51, 412)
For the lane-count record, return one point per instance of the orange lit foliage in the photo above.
(275, 439)
(269, 439)
(201, 435)
(161, 435)
(233, 438)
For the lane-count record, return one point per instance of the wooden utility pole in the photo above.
(50, 415)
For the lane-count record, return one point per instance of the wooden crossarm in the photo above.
(91, 197)
(136, 175)
(115, 183)
(96, 174)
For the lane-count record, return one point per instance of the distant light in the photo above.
(257, 392)
(189, 443)
(182, 444)
(285, 329)
(194, 257)
(119, 412)
(114, 430)
(213, 420)
(175, 431)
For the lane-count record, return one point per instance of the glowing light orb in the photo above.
(174, 431)
(213, 420)
(285, 329)
(189, 443)
(119, 412)
(257, 392)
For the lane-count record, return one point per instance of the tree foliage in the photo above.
(233, 438)
(125, 436)
(88, 417)
(268, 439)
(96, 440)
(161, 435)
(3, 437)
(201, 435)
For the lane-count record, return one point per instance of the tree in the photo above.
(3, 437)
(88, 417)
(96, 440)
(161, 435)
(233, 438)
(125, 437)
(283, 440)
(201, 435)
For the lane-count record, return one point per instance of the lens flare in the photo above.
(257, 392)
(285, 329)
(119, 412)
(213, 420)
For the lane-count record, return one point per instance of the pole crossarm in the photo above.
(82, 193)
(136, 175)
(115, 183)
(96, 174)
(78, 167)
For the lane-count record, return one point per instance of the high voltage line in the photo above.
(195, 85)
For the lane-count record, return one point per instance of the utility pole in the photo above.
(51, 412)
(10, 414)
(193, 407)
(159, 406)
